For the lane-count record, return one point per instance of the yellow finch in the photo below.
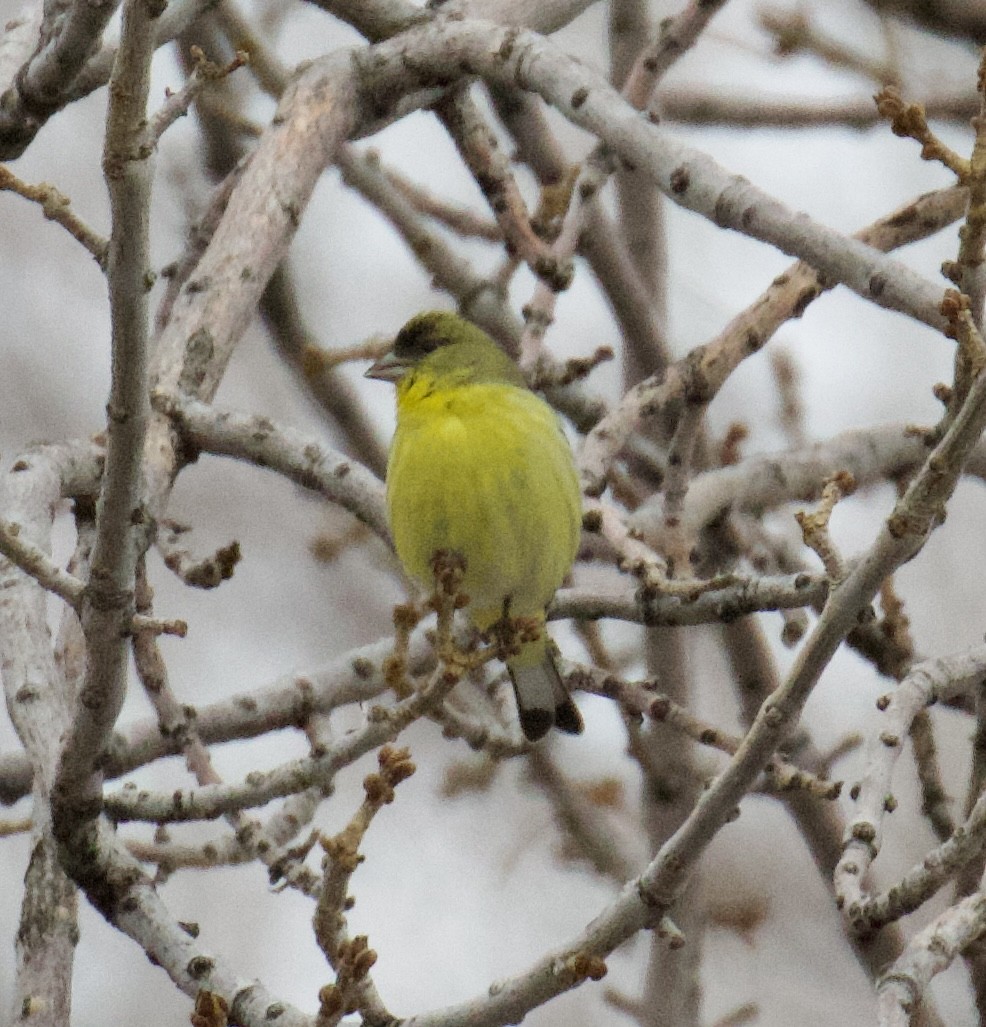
(479, 467)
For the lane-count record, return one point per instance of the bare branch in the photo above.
(586, 830)
(69, 34)
(356, 677)
(695, 107)
(384, 724)
(675, 38)
(699, 376)
(177, 104)
(284, 450)
(929, 953)
(937, 869)
(480, 152)
(872, 455)
(33, 560)
(931, 681)
(38, 691)
(350, 957)
(477, 298)
(68, 64)
(794, 33)
(55, 207)
(642, 698)
(108, 606)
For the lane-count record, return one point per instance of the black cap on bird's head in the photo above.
(427, 332)
(469, 351)
(422, 335)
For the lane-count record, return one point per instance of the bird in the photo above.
(479, 466)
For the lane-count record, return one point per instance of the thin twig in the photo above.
(931, 681)
(57, 207)
(643, 699)
(706, 368)
(176, 104)
(479, 150)
(351, 957)
(937, 869)
(930, 952)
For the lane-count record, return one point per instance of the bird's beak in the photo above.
(387, 369)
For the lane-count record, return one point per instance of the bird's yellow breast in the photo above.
(484, 470)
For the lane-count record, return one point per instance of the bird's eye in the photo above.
(415, 347)
(418, 338)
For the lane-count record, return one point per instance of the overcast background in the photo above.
(457, 893)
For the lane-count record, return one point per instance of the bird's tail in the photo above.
(542, 699)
